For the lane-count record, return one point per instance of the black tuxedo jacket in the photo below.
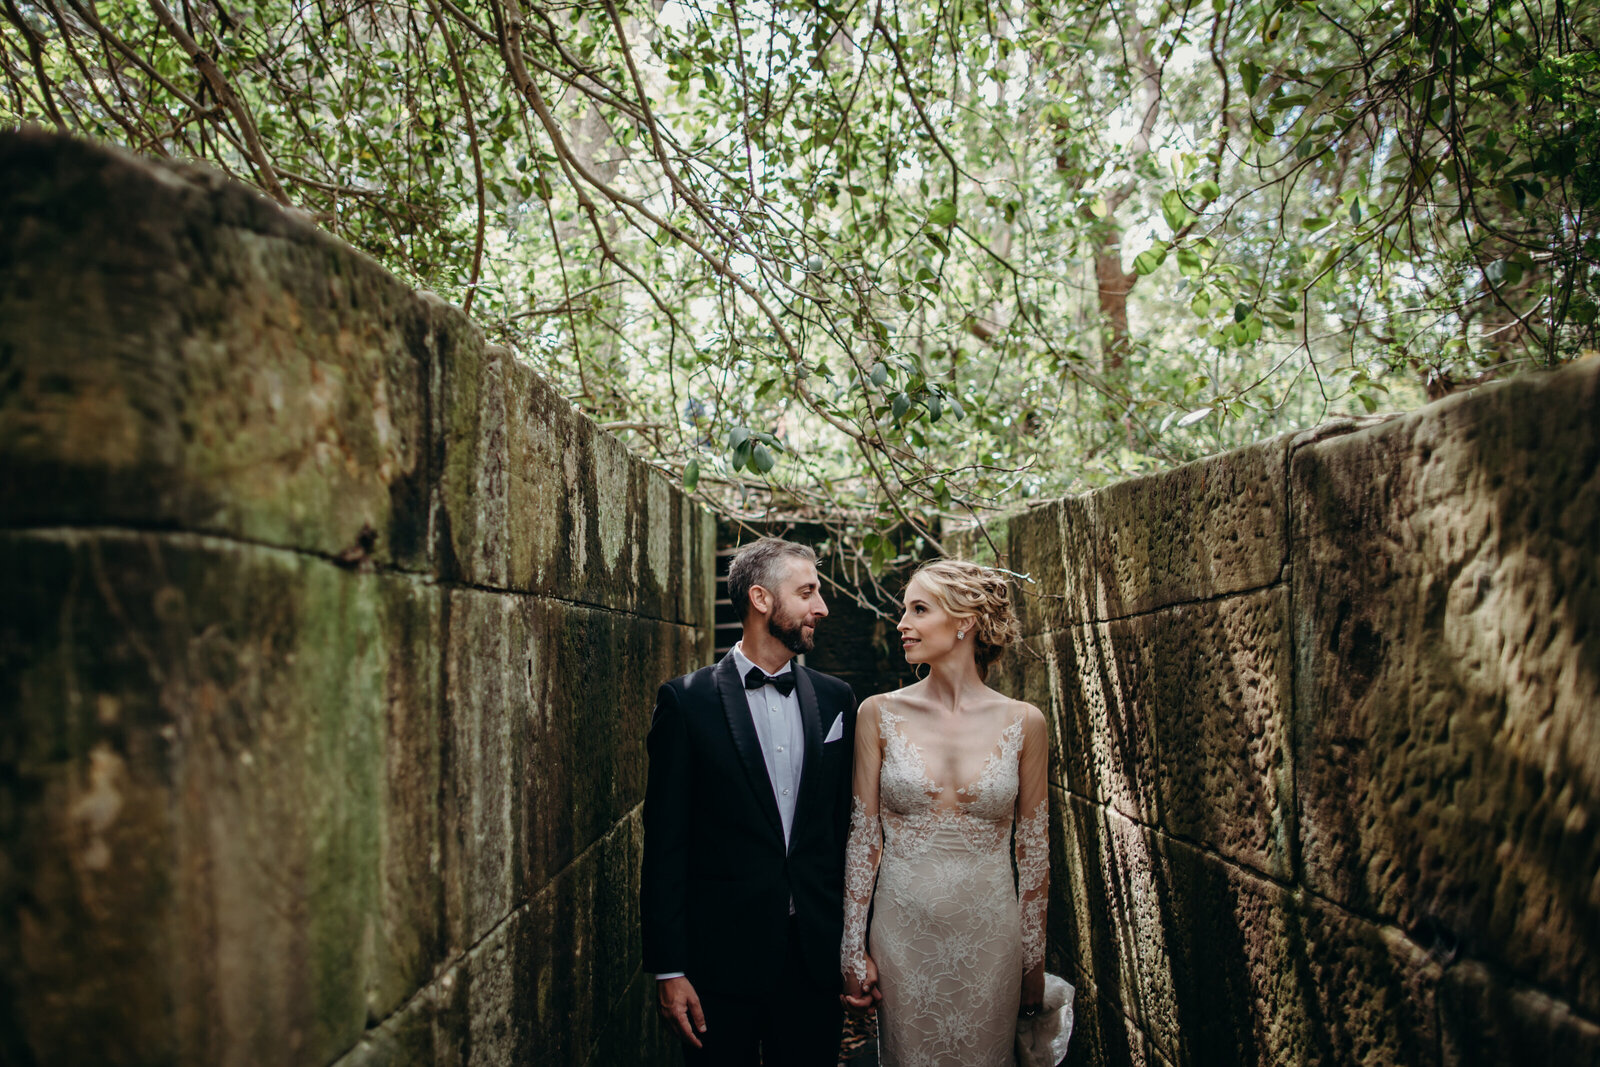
(717, 880)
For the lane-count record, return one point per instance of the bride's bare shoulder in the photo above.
(1020, 710)
(877, 702)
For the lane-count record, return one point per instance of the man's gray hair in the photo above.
(761, 563)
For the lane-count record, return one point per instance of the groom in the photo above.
(745, 817)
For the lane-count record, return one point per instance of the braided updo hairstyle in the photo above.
(968, 591)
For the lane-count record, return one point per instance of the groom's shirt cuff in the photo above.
(668, 974)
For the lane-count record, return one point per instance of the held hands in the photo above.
(679, 1005)
(859, 995)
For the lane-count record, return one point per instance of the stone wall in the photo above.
(330, 639)
(1327, 724)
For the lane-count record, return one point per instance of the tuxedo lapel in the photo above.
(811, 718)
(736, 708)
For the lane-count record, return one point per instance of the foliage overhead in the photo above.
(898, 260)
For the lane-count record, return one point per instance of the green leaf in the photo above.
(1312, 225)
(902, 404)
(880, 374)
(1250, 74)
(741, 455)
(1208, 190)
(935, 408)
(942, 214)
(1189, 262)
(1151, 258)
(1241, 311)
(1504, 272)
(737, 436)
(1193, 417)
(1201, 304)
(1174, 210)
(691, 475)
(926, 277)
(762, 459)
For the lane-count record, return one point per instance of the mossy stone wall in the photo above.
(1326, 715)
(330, 639)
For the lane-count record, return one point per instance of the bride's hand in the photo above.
(859, 995)
(1032, 991)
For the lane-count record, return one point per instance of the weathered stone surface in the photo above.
(1216, 965)
(540, 986)
(557, 981)
(1487, 1020)
(1448, 751)
(243, 820)
(1212, 527)
(1102, 1036)
(1217, 678)
(1179, 718)
(217, 792)
(1208, 528)
(547, 708)
(247, 375)
(539, 499)
(1106, 745)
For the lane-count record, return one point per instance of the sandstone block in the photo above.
(528, 992)
(246, 375)
(1105, 737)
(1217, 965)
(1208, 528)
(538, 499)
(1214, 680)
(1103, 1037)
(210, 859)
(1363, 993)
(548, 705)
(1179, 718)
(1488, 1020)
(1447, 750)
(556, 981)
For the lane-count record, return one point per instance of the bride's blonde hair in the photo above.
(968, 591)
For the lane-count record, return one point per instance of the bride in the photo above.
(943, 769)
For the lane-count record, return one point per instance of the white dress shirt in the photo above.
(782, 735)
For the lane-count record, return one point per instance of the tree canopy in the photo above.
(883, 262)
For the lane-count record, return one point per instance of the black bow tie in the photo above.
(756, 678)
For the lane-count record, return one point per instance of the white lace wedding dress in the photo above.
(952, 933)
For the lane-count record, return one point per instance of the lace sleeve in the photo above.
(1033, 838)
(864, 846)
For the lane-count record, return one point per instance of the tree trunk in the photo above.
(1112, 285)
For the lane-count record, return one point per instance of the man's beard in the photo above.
(791, 631)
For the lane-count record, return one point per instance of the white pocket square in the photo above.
(836, 731)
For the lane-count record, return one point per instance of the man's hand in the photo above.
(680, 1006)
(862, 996)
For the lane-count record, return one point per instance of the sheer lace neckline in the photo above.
(1004, 747)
